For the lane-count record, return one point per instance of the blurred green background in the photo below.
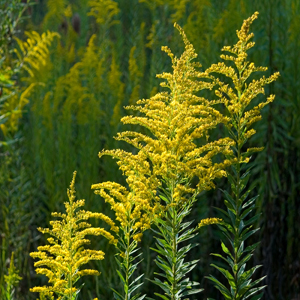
(60, 107)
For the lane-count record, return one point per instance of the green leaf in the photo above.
(191, 292)
(246, 275)
(158, 233)
(241, 226)
(164, 244)
(250, 201)
(230, 199)
(227, 226)
(164, 198)
(257, 297)
(161, 274)
(244, 260)
(226, 250)
(243, 182)
(232, 215)
(227, 236)
(246, 212)
(257, 281)
(135, 280)
(252, 220)
(183, 226)
(228, 259)
(120, 275)
(133, 268)
(162, 265)
(117, 295)
(220, 287)
(232, 182)
(227, 275)
(187, 235)
(161, 296)
(222, 211)
(133, 288)
(230, 206)
(139, 298)
(160, 250)
(253, 291)
(184, 250)
(163, 285)
(245, 236)
(252, 247)
(240, 250)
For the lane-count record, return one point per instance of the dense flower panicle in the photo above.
(238, 97)
(132, 205)
(62, 259)
(175, 120)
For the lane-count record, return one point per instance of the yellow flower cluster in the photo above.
(132, 205)
(209, 221)
(168, 155)
(177, 118)
(62, 259)
(238, 97)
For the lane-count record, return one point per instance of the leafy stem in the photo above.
(171, 258)
(238, 227)
(127, 264)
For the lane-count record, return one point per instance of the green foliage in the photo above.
(127, 264)
(171, 258)
(11, 14)
(11, 280)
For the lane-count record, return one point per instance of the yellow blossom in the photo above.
(209, 221)
(238, 97)
(62, 260)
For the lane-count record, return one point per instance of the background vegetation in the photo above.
(60, 107)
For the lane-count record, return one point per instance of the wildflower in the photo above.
(61, 261)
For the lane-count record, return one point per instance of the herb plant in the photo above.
(238, 227)
(61, 261)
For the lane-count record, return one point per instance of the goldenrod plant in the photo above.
(104, 11)
(31, 54)
(61, 261)
(173, 121)
(237, 96)
(134, 212)
(34, 51)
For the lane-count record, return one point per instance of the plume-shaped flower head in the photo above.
(238, 96)
(62, 260)
(175, 120)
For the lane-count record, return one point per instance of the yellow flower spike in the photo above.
(62, 260)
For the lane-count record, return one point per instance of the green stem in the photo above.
(127, 264)
(71, 254)
(237, 211)
(174, 243)
(174, 252)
